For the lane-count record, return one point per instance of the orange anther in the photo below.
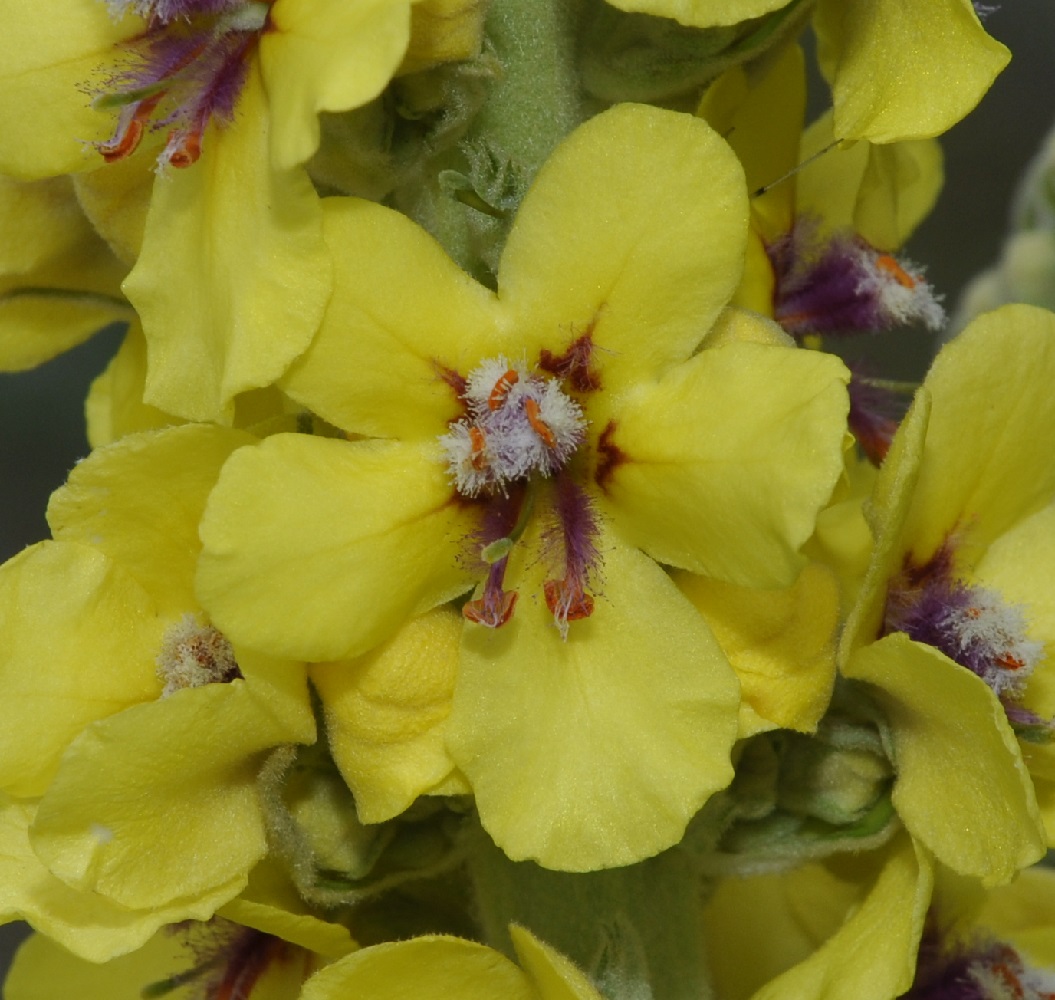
(887, 263)
(188, 149)
(538, 425)
(501, 389)
(487, 612)
(570, 603)
(477, 449)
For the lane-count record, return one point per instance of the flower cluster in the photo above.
(487, 579)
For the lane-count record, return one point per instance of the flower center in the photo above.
(520, 428)
(842, 284)
(975, 627)
(186, 69)
(518, 424)
(193, 654)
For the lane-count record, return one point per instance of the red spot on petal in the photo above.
(609, 456)
(573, 366)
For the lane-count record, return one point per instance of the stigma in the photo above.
(184, 71)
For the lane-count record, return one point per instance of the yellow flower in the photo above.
(233, 275)
(897, 70)
(129, 714)
(953, 623)
(622, 441)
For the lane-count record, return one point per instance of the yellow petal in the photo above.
(43, 970)
(553, 976)
(702, 13)
(87, 924)
(595, 751)
(270, 903)
(115, 406)
(986, 463)
(872, 956)
(385, 714)
(378, 344)
(116, 200)
(140, 500)
(601, 245)
(727, 460)
(961, 788)
(762, 112)
(358, 536)
(160, 802)
(904, 70)
(58, 282)
(1024, 914)
(780, 642)
(444, 31)
(79, 637)
(883, 192)
(326, 55)
(1018, 566)
(53, 51)
(233, 276)
(426, 968)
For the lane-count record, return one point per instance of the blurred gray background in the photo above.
(41, 422)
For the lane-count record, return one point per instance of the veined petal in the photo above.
(724, 464)
(52, 49)
(87, 924)
(383, 339)
(985, 467)
(385, 714)
(234, 275)
(357, 536)
(595, 751)
(780, 642)
(79, 636)
(904, 70)
(140, 500)
(883, 192)
(159, 802)
(326, 55)
(961, 787)
(602, 246)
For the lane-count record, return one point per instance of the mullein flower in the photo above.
(548, 445)
(826, 224)
(879, 56)
(952, 624)
(232, 276)
(132, 719)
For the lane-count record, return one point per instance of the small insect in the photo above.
(502, 389)
(538, 425)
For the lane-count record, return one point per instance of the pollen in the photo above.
(194, 654)
(519, 424)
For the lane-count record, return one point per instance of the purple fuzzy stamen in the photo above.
(971, 625)
(840, 284)
(573, 534)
